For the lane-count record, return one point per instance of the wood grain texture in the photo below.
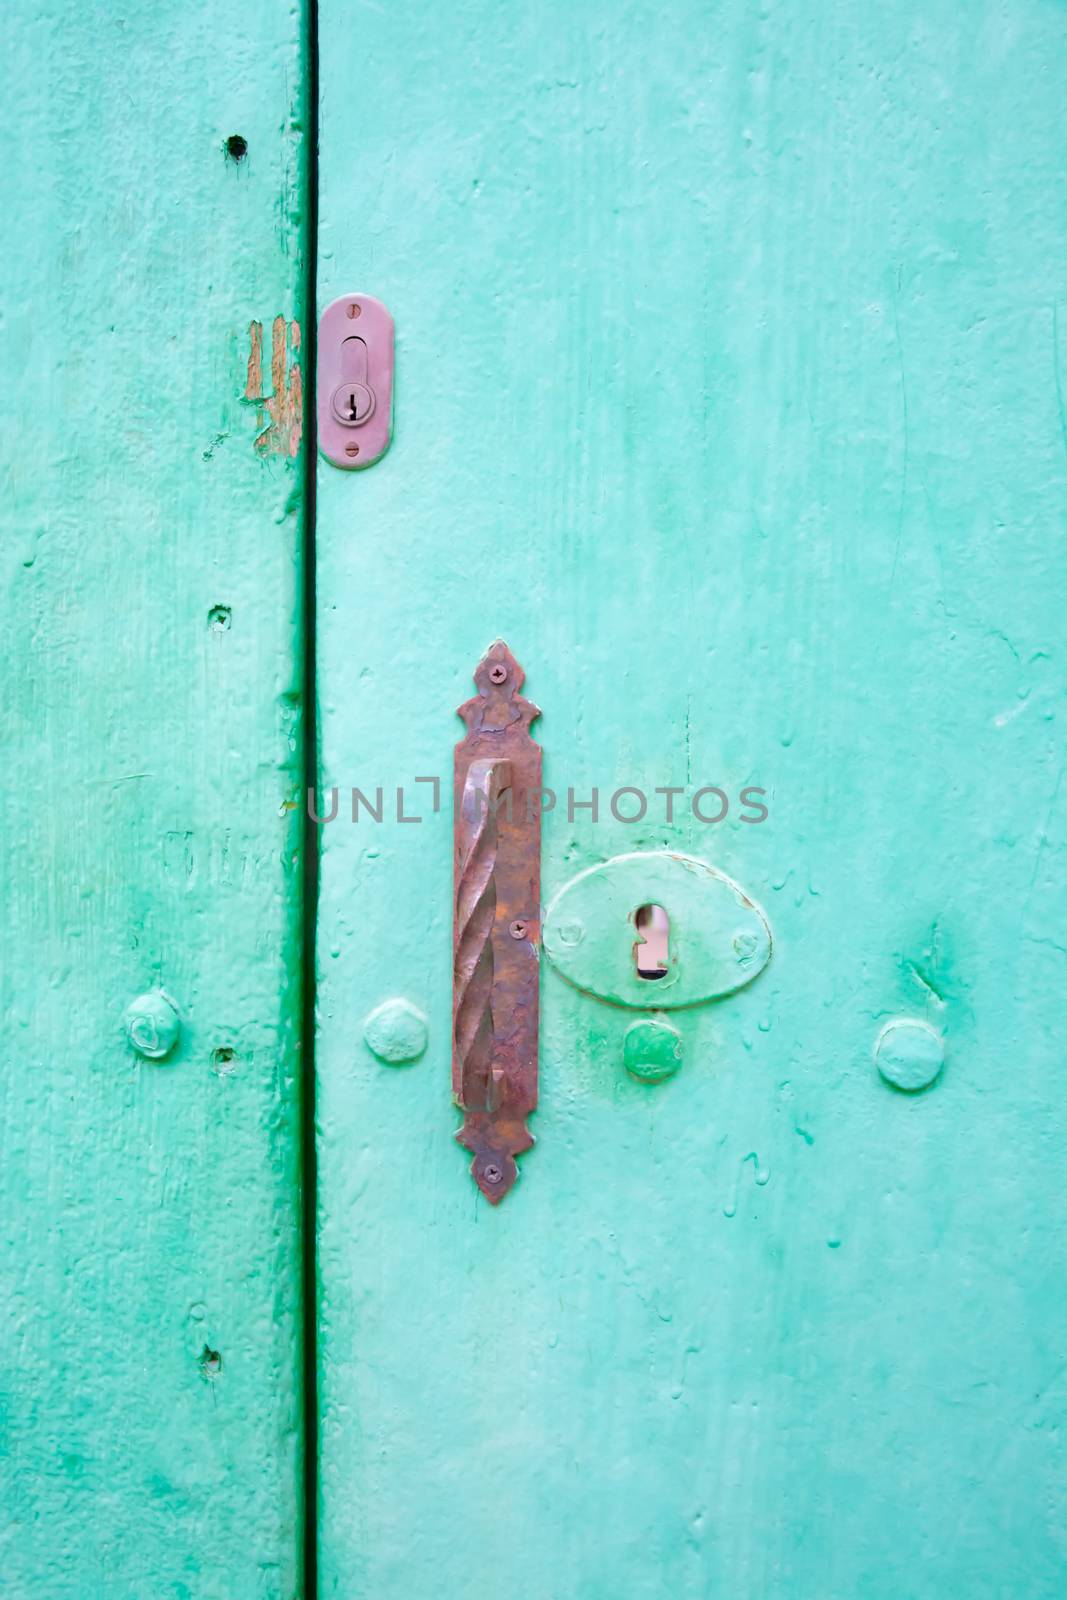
(729, 354)
(150, 1432)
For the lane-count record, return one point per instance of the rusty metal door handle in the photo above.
(497, 873)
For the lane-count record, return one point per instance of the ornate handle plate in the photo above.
(497, 872)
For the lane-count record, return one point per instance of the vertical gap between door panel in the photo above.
(308, 1153)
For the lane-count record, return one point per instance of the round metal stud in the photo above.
(909, 1054)
(152, 1025)
(396, 1032)
(651, 1050)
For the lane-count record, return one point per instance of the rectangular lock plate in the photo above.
(354, 381)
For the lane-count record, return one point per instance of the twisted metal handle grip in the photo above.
(478, 837)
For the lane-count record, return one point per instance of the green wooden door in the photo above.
(150, 1379)
(729, 394)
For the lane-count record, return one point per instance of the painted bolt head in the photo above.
(909, 1054)
(396, 1032)
(651, 1050)
(152, 1025)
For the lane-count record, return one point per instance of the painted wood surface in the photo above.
(729, 392)
(150, 1432)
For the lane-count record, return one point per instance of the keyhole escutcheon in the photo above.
(354, 381)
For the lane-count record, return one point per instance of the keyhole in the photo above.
(652, 952)
(353, 402)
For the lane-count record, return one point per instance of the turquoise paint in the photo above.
(150, 1395)
(729, 345)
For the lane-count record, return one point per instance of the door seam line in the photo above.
(310, 863)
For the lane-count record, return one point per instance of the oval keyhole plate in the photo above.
(717, 938)
(355, 381)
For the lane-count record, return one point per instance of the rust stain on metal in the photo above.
(497, 878)
(284, 405)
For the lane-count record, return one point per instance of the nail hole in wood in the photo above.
(210, 1362)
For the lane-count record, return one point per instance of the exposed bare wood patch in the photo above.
(284, 405)
(254, 386)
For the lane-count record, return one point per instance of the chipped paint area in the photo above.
(284, 405)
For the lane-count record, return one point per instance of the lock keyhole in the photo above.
(353, 402)
(652, 952)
